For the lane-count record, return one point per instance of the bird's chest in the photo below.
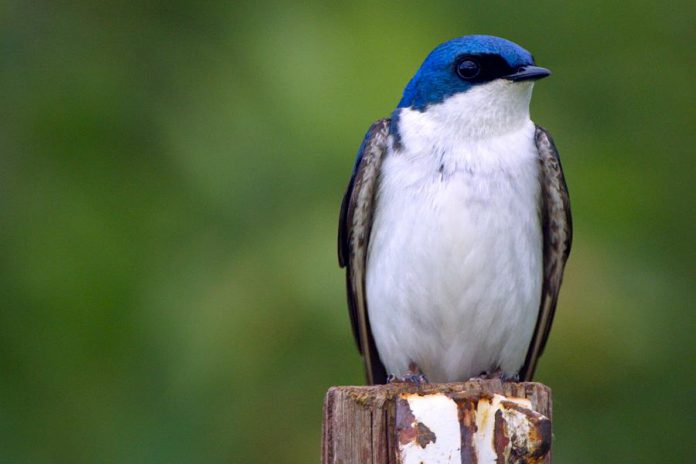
(444, 207)
(455, 251)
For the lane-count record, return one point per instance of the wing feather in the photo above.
(355, 224)
(557, 231)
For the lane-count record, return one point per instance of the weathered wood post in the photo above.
(474, 422)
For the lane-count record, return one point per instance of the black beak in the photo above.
(528, 73)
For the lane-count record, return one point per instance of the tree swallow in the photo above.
(455, 227)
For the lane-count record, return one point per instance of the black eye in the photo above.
(468, 68)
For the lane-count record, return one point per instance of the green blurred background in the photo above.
(170, 177)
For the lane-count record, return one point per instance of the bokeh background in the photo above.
(170, 177)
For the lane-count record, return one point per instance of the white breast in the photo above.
(454, 266)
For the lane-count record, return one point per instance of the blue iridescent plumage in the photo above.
(435, 81)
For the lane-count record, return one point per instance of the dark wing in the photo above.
(557, 230)
(354, 228)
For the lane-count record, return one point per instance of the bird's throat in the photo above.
(491, 110)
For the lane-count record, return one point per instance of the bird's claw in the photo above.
(414, 379)
(498, 374)
(414, 376)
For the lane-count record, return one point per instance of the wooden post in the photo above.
(474, 422)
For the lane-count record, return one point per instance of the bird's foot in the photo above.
(498, 374)
(414, 376)
(415, 379)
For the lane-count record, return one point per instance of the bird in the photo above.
(455, 227)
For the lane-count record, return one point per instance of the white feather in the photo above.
(454, 267)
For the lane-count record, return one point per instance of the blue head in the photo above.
(460, 64)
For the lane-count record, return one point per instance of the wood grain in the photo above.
(359, 422)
